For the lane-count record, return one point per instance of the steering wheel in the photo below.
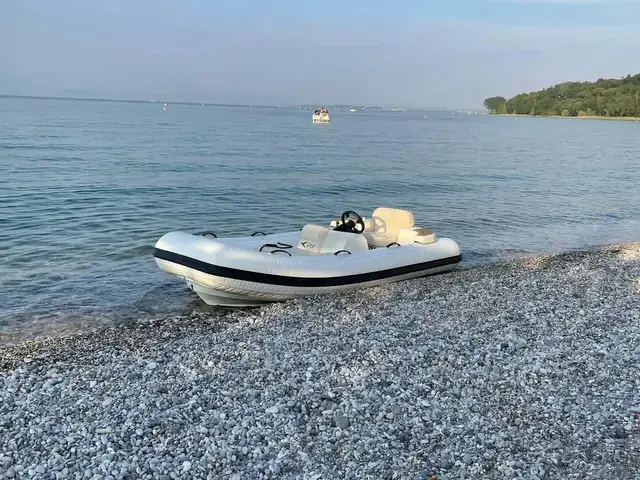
(348, 223)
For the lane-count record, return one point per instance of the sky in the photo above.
(404, 53)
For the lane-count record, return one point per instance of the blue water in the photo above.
(87, 187)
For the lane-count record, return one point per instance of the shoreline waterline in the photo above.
(78, 326)
(517, 368)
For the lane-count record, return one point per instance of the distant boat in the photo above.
(165, 107)
(352, 109)
(321, 115)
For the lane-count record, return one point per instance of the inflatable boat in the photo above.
(351, 252)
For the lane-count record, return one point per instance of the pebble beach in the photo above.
(527, 368)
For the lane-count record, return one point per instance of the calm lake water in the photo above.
(88, 187)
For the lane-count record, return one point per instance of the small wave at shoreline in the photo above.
(173, 299)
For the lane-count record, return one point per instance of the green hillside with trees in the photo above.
(604, 98)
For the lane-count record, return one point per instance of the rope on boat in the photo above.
(279, 245)
(280, 251)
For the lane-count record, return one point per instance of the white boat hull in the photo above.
(238, 271)
(215, 290)
(321, 119)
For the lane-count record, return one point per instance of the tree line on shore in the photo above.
(603, 98)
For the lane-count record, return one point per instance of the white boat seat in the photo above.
(319, 239)
(387, 224)
(312, 237)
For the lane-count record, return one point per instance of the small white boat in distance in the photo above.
(353, 252)
(321, 115)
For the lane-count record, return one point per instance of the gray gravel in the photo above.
(524, 369)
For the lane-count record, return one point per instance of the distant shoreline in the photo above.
(299, 106)
(582, 117)
(132, 100)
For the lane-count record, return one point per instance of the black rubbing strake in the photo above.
(269, 278)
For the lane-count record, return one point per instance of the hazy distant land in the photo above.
(298, 106)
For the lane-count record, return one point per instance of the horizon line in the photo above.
(216, 104)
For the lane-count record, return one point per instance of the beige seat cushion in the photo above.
(416, 235)
(387, 222)
(378, 240)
